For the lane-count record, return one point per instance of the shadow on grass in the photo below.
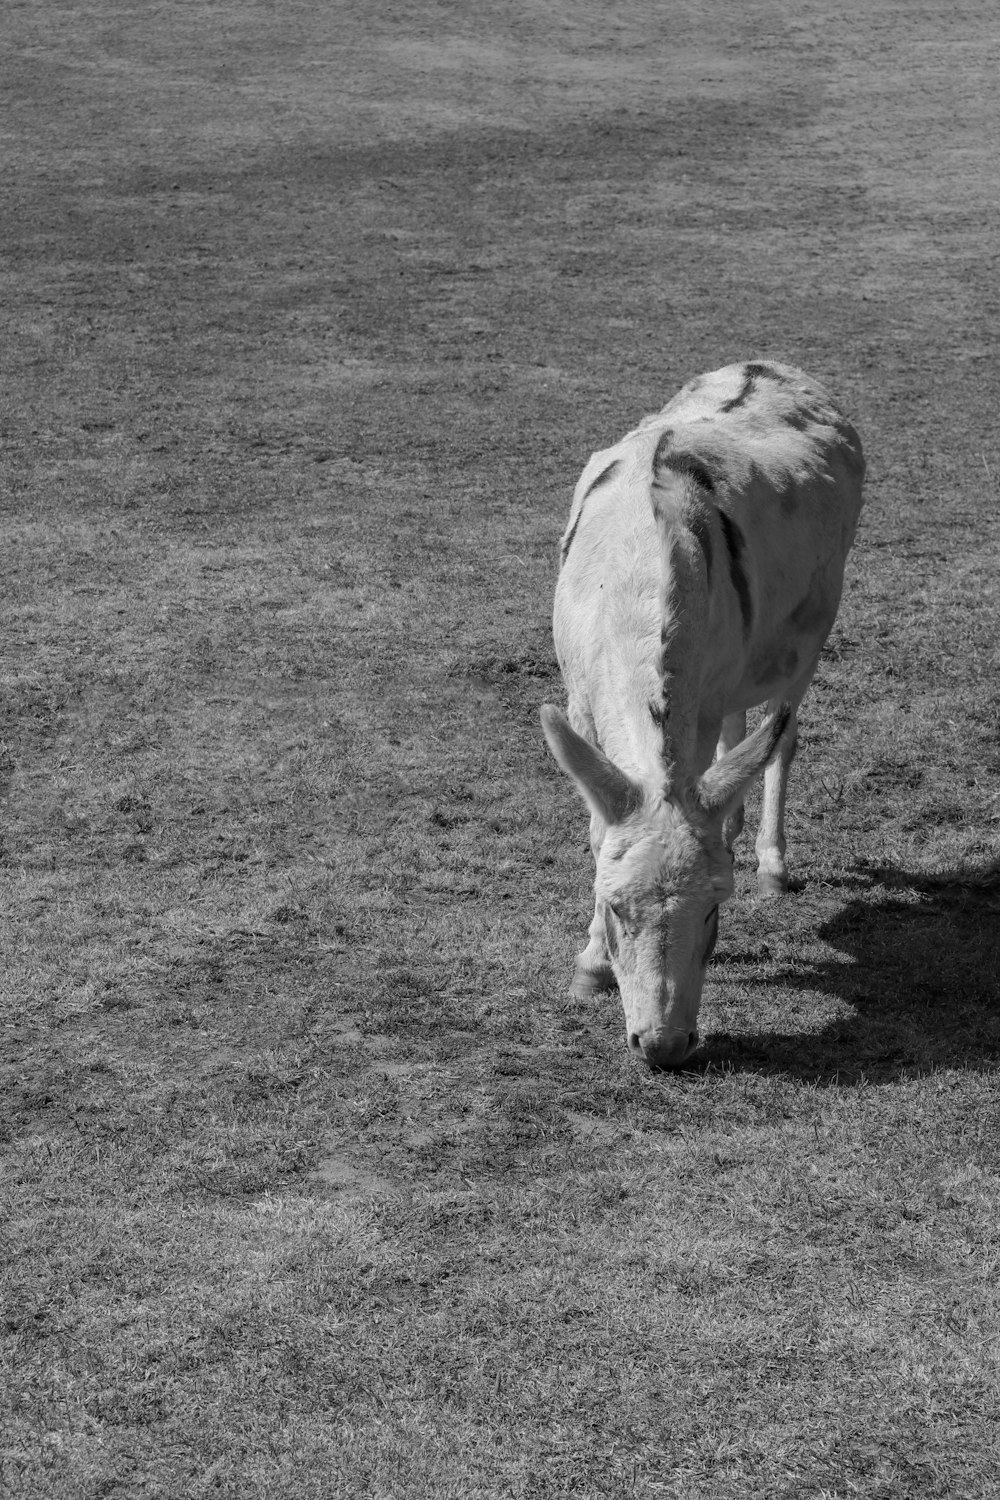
(921, 968)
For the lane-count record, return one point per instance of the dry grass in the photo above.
(314, 1180)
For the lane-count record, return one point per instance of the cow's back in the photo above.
(772, 454)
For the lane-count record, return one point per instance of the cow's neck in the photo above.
(683, 628)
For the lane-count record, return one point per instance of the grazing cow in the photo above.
(701, 572)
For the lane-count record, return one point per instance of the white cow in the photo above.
(701, 572)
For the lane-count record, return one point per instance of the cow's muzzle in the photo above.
(662, 1048)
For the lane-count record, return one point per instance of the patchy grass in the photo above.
(315, 1182)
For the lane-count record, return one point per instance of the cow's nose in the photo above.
(664, 1049)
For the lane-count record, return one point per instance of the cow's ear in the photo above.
(607, 790)
(723, 786)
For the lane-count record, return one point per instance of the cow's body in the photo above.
(701, 572)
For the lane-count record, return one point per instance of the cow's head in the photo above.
(663, 870)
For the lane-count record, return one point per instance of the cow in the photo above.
(700, 574)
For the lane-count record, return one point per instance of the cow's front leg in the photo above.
(734, 729)
(593, 972)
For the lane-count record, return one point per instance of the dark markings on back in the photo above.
(602, 478)
(679, 462)
(663, 448)
(755, 369)
(743, 394)
(701, 528)
(734, 541)
(795, 418)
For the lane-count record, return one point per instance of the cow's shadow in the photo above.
(921, 972)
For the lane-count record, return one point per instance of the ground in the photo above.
(315, 1180)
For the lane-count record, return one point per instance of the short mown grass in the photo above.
(315, 1181)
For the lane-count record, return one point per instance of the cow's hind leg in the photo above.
(772, 869)
(592, 972)
(734, 729)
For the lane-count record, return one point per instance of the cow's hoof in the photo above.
(589, 982)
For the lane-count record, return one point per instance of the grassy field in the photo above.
(315, 1183)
